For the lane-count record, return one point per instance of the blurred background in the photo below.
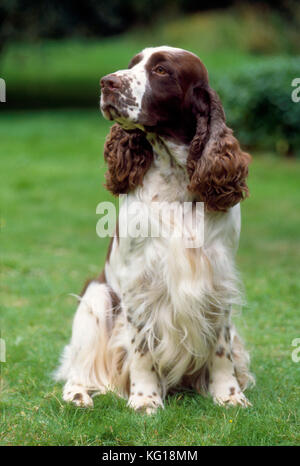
(52, 55)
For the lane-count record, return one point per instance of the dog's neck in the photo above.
(167, 151)
(167, 178)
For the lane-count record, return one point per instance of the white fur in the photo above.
(177, 302)
(177, 295)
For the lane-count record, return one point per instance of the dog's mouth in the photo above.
(109, 104)
(116, 105)
(110, 112)
(113, 110)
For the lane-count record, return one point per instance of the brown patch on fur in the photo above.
(228, 356)
(77, 396)
(232, 391)
(186, 110)
(128, 155)
(220, 351)
(135, 60)
(227, 334)
(216, 165)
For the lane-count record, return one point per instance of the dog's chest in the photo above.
(152, 268)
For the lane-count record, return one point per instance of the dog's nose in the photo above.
(111, 81)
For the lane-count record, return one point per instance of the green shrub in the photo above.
(257, 101)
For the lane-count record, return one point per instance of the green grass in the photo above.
(52, 179)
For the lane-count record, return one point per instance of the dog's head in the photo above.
(165, 91)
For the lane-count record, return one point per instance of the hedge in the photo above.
(259, 105)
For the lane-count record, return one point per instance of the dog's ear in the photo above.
(216, 165)
(128, 155)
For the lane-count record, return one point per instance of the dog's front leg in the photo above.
(145, 390)
(223, 384)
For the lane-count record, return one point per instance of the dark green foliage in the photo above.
(29, 19)
(258, 101)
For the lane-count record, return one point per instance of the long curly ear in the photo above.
(128, 155)
(216, 165)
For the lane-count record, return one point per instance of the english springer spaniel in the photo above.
(158, 318)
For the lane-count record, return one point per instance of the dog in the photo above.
(158, 318)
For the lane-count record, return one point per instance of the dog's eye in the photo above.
(160, 70)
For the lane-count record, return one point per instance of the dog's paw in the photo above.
(233, 397)
(145, 403)
(77, 395)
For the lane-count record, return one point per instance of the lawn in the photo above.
(52, 180)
